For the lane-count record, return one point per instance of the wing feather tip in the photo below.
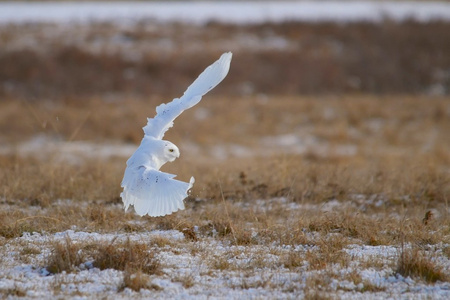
(191, 183)
(227, 56)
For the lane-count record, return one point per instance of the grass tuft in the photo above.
(187, 280)
(137, 280)
(417, 264)
(14, 292)
(65, 257)
(293, 260)
(131, 256)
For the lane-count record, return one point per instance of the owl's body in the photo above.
(149, 190)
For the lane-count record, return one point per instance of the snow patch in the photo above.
(43, 147)
(245, 278)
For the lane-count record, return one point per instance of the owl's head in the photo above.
(171, 152)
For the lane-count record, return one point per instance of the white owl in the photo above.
(151, 191)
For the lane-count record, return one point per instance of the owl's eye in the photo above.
(171, 150)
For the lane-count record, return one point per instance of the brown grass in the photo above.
(135, 281)
(132, 257)
(392, 190)
(129, 256)
(137, 260)
(14, 292)
(187, 280)
(418, 264)
(65, 257)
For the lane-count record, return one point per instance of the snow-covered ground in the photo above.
(211, 267)
(223, 11)
(249, 270)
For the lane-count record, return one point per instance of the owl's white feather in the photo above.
(149, 190)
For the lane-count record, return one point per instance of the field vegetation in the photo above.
(338, 193)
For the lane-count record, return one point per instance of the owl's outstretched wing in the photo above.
(206, 81)
(153, 192)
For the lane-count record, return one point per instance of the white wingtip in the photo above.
(206, 81)
(210, 77)
(191, 183)
(226, 56)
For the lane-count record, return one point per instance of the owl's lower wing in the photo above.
(153, 192)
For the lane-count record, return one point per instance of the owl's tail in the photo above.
(154, 193)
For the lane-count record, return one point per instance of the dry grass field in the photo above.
(339, 194)
(286, 189)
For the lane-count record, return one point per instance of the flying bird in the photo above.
(149, 190)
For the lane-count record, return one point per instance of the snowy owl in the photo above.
(151, 191)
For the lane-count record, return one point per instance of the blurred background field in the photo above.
(291, 58)
(325, 136)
